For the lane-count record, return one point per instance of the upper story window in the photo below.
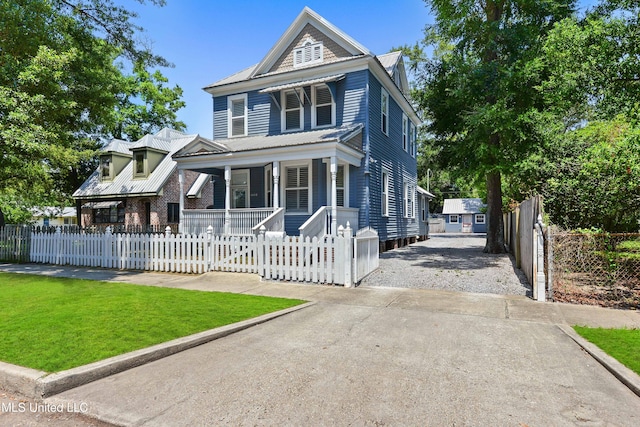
(384, 108)
(105, 168)
(405, 132)
(292, 112)
(237, 115)
(324, 109)
(139, 164)
(309, 53)
(412, 139)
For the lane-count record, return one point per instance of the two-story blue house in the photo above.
(318, 133)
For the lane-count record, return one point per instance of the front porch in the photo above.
(307, 183)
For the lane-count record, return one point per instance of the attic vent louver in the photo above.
(309, 53)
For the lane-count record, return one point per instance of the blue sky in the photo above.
(209, 40)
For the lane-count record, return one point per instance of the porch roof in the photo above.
(302, 83)
(320, 142)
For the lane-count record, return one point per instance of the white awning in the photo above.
(302, 83)
(195, 191)
(101, 205)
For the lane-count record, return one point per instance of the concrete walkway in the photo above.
(367, 356)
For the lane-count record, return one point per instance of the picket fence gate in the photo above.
(341, 259)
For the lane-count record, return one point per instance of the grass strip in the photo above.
(53, 324)
(621, 344)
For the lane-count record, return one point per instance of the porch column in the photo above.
(181, 207)
(227, 200)
(276, 184)
(334, 195)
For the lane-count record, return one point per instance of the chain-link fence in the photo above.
(601, 269)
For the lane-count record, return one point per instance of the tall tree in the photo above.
(479, 89)
(60, 83)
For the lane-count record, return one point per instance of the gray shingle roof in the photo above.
(124, 185)
(260, 142)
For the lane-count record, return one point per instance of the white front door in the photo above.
(240, 189)
(467, 223)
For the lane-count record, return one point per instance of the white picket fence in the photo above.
(340, 259)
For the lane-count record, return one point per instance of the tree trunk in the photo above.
(495, 221)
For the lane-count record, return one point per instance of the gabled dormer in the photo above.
(148, 153)
(113, 158)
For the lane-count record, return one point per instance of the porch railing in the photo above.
(196, 221)
(319, 224)
(241, 221)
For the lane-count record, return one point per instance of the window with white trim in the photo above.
(409, 201)
(237, 115)
(324, 109)
(384, 109)
(453, 219)
(412, 139)
(309, 53)
(296, 189)
(481, 219)
(268, 186)
(385, 193)
(292, 111)
(405, 132)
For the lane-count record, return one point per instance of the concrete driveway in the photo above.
(366, 361)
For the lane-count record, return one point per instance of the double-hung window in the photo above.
(297, 189)
(453, 219)
(384, 108)
(405, 132)
(324, 111)
(385, 193)
(105, 168)
(409, 211)
(292, 113)
(237, 115)
(412, 139)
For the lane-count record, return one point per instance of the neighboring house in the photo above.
(318, 133)
(465, 216)
(52, 216)
(137, 185)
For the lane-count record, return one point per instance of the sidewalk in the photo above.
(487, 305)
(364, 355)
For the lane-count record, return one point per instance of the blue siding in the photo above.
(259, 113)
(387, 154)
(220, 117)
(351, 99)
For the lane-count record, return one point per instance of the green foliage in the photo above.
(55, 324)
(63, 93)
(479, 91)
(589, 177)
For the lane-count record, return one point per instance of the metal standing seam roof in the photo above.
(301, 83)
(195, 191)
(261, 142)
(462, 206)
(124, 185)
(389, 60)
(117, 146)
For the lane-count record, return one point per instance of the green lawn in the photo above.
(53, 324)
(621, 344)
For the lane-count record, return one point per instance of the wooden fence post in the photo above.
(348, 256)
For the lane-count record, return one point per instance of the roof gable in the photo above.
(308, 24)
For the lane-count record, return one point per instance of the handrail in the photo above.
(316, 225)
(274, 222)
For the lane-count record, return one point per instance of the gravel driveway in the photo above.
(452, 262)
